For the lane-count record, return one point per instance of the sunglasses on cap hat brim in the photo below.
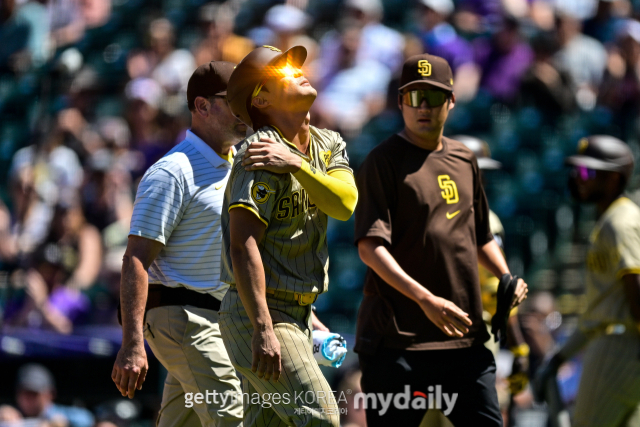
(415, 97)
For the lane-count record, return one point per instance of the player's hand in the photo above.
(130, 368)
(316, 324)
(520, 294)
(265, 349)
(272, 156)
(447, 316)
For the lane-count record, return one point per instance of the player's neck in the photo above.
(292, 128)
(431, 143)
(603, 205)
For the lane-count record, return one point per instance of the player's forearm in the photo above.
(134, 287)
(335, 194)
(377, 257)
(249, 274)
(490, 257)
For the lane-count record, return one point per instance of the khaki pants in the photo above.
(302, 396)
(186, 340)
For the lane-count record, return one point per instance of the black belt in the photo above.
(160, 296)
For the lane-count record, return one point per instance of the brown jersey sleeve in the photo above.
(376, 198)
(481, 208)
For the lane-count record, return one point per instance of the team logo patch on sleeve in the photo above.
(326, 156)
(260, 192)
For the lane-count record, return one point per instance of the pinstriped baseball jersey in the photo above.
(294, 248)
(614, 252)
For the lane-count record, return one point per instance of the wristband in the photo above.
(520, 351)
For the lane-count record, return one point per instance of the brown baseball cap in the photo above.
(208, 80)
(430, 69)
(260, 64)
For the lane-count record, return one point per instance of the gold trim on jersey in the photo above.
(249, 208)
(310, 155)
(623, 272)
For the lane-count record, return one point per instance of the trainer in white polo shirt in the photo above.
(170, 289)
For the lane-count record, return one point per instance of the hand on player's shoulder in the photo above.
(268, 154)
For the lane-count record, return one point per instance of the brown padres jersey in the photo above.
(294, 248)
(431, 210)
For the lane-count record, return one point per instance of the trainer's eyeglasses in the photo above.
(584, 173)
(286, 71)
(414, 98)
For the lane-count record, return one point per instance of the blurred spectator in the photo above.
(35, 394)
(620, 90)
(544, 86)
(9, 416)
(504, 59)
(24, 35)
(171, 67)
(67, 262)
(220, 43)
(603, 25)
(95, 13)
(378, 42)
(145, 97)
(288, 25)
(440, 38)
(583, 57)
(67, 23)
(356, 92)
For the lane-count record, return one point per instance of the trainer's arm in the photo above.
(491, 257)
(443, 313)
(334, 193)
(247, 230)
(130, 367)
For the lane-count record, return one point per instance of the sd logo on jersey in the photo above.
(450, 193)
(260, 192)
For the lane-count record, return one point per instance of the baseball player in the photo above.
(519, 377)
(609, 390)
(291, 178)
(422, 225)
(171, 268)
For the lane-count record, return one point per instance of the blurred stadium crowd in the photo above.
(92, 92)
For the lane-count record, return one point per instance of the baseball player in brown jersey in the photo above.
(287, 179)
(609, 391)
(422, 225)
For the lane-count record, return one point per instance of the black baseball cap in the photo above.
(208, 80)
(260, 64)
(481, 150)
(429, 69)
(603, 152)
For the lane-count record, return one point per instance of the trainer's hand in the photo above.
(522, 289)
(130, 368)
(446, 315)
(272, 156)
(265, 349)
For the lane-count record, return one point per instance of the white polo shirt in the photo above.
(179, 204)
